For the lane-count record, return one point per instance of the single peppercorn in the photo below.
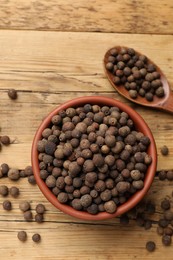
(165, 204)
(150, 246)
(164, 150)
(7, 205)
(31, 179)
(3, 190)
(13, 174)
(166, 240)
(39, 218)
(22, 236)
(5, 140)
(40, 209)
(24, 206)
(14, 191)
(12, 93)
(36, 238)
(28, 215)
(110, 206)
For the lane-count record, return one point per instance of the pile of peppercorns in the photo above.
(133, 71)
(93, 158)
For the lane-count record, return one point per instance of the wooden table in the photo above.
(50, 52)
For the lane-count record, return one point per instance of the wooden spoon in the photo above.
(162, 103)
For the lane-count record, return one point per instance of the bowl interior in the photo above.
(140, 125)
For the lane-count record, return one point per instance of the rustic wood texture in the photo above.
(127, 16)
(50, 52)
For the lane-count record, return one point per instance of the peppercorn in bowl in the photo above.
(94, 157)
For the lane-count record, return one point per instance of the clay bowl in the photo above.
(140, 125)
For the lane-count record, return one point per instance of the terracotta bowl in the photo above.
(140, 125)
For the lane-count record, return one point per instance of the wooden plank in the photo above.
(34, 64)
(99, 16)
(63, 236)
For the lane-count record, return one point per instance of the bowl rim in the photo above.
(140, 125)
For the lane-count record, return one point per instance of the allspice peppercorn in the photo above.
(164, 150)
(7, 205)
(28, 215)
(12, 93)
(13, 174)
(150, 246)
(24, 206)
(22, 236)
(5, 140)
(14, 191)
(40, 209)
(3, 190)
(110, 206)
(36, 238)
(39, 218)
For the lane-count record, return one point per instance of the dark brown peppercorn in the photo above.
(12, 93)
(28, 171)
(165, 204)
(62, 197)
(13, 174)
(162, 175)
(5, 140)
(3, 190)
(4, 168)
(169, 175)
(24, 206)
(40, 209)
(164, 150)
(86, 200)
(163, 223)
(22, 236)
(168, 231)
(7, 205)
(39, 218)
(168, 215)
(166, 240)
(123, 186)
(36, 238)
(105, 195)
(14, 192)
(150, 246)
(76, 204)
(98, 160)
(92, 209)
(110, 206)
(31, 179)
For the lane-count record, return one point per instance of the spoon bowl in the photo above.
(162, 103)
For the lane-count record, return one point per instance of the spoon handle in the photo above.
(168, 104)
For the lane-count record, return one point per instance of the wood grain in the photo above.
(46, 72)
(128, 16)
(64, 237)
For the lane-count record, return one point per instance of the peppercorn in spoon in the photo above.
(137, 78)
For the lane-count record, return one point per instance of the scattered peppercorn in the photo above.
(5, 140)
(24, 206)
(166, 240)
(12, 93)
(36, 238)
(22, 236)
(28, 215)
(40, 209)
(13, 174)
(3, 190)
(39, 218)
(150, 246)
(31, 179)
(164, 150)
(7, 205)
(14, 191)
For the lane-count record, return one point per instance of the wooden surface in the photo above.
(60, 63)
